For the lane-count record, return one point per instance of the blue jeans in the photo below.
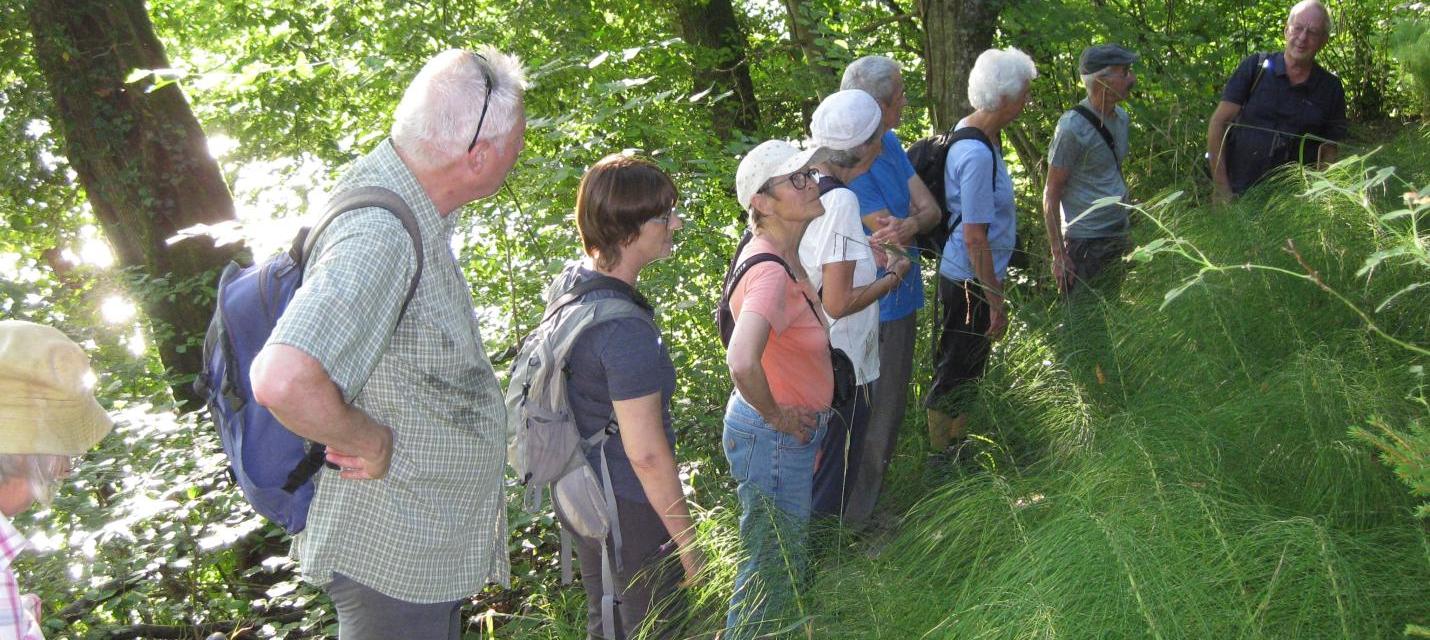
(775, 476)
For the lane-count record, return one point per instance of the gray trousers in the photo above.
(366, 614)
(649, 578)
(891, 396)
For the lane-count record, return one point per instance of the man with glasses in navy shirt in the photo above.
(1278, 108)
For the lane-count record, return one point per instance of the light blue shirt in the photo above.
(968, 180)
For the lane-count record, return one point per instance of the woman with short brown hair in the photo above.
(621, 368)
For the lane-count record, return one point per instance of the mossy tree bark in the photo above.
(142, 159)
(955, 32)
(722, 63)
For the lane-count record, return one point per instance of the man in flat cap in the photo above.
(47, 415)
(1278, 108)
(1084, 165)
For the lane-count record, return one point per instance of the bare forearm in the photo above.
(981, 256)
(661, 481)
(755, 389)
(296, 389)
(1052, 215)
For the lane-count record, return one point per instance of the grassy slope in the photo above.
(1202, 485)
(1149, 473)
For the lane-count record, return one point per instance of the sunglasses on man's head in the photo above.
(486, 75)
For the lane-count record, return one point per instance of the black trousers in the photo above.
(963, 346)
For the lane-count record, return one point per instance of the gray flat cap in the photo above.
(1097, 57)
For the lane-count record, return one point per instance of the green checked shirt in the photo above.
(434, 529)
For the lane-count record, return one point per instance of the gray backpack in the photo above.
(544, 446)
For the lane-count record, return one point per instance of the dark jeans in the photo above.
(887, 403)
(650, 573)
(366, 614)
(1093, 257)
(963, 345)
(838, 469)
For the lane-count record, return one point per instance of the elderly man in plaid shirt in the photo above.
(412, 521)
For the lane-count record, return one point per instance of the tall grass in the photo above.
(1183, 468)
(1155, 466)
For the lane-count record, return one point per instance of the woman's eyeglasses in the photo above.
(799, 180)
(664, 218)
(487, 75)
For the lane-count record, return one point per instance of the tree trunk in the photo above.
(721, 65)
(143, 161)
(955, 32)
(801, 29)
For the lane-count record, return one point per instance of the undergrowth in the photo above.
(1188, 456)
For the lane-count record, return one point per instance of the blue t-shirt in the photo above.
(886, 186)
(968, 182)
(619, 359)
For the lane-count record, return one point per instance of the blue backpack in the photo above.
(273, 466)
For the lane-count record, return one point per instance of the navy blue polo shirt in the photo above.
(1278, 118)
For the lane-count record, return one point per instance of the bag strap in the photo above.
(362, 198)
(1262, 60)
(600, 281)
(770, 257)
(974, 133)
(1096, 122)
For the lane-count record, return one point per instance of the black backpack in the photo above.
(929, 157)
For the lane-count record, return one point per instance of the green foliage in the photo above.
(1183, 469)
(1205, 488)
(1410, 44)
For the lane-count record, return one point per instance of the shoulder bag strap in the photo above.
(1096, 122)
(362, 198)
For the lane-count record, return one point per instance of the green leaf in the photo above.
(1146, 252)
(1177, 292)
(303, 68)
(1381, 256)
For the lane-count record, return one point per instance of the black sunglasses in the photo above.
(487, 75)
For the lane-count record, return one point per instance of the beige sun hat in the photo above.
(47, 403)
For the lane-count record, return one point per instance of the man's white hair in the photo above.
(437, 117)
(1303, 5)
(39, 471)
(1089, 80)
(999, 75)
(874, 75)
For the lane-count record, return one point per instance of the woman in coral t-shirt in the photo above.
(779, 360)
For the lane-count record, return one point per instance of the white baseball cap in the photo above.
(844, 120)
(770, 159)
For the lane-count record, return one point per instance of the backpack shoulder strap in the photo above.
(1263, 60)
(362, 198)
(1096, 122)
(751, 262)
(974, 133)
(601, 281)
